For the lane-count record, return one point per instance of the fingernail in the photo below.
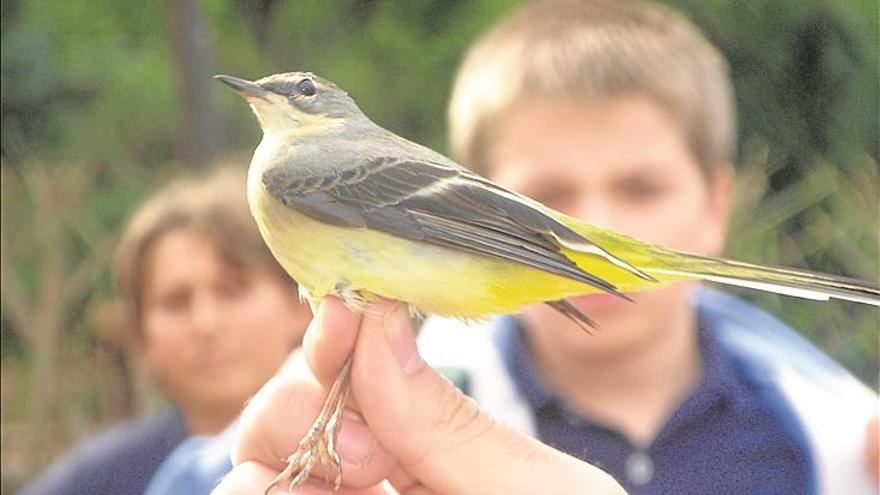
(352, 415)
(355, 448)
(402, 341)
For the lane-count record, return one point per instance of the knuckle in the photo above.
(458, 416)
(457, 423)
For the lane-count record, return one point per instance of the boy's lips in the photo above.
(212, 360)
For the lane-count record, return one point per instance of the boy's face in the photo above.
(622, 163)
(214, 332)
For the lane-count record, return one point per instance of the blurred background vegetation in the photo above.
(102, 100)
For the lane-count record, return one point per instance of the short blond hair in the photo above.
(595, 49)
(213, 204)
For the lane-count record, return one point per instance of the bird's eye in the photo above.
(306, 87)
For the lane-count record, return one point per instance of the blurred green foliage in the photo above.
(94, 87)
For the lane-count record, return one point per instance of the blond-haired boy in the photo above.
(621, 113)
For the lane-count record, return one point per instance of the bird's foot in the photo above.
(318, 447)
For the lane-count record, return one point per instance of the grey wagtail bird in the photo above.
(352, 210)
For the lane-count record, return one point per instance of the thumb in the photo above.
(438, 434)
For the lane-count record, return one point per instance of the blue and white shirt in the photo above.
(772, 414)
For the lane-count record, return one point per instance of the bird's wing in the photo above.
(442, 204)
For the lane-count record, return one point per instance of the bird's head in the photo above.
(296, 103)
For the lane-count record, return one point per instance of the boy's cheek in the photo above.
(713, 240)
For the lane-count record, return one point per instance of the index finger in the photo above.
(330, 339)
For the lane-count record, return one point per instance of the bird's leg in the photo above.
(319, 443)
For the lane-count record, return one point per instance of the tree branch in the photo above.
(15, 299)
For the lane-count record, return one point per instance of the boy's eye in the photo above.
(234, 287)
(640, 189)
(554, 196)
(174, 301)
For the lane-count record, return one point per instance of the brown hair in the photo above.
(595, 49)
(214, 205)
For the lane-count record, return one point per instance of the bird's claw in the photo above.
(318, 447)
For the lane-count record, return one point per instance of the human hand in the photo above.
(412, 427)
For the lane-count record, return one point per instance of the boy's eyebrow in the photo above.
(546, 180)
(644, 167)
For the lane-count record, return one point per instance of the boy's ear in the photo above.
(720, 200)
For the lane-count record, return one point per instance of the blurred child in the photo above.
(621, 113)
(213, 316)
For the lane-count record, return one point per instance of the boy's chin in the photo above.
(624, 327)
(618, 332)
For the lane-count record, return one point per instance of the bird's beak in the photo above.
(247, 89)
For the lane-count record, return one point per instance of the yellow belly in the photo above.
(327, 260)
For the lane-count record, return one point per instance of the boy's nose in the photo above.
(593, 209)
(207, 317)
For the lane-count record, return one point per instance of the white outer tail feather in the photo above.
(816, 294)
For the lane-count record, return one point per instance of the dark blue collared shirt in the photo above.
(722, 439)
(118, 461)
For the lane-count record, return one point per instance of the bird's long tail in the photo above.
(666, 265)
(792, 282)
